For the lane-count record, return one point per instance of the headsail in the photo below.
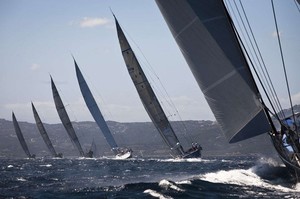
(65, 118)
(20, 136)
(43, 132)
(147, 95)
(203, 31)
(94, 109)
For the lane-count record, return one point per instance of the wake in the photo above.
(265, 174)
(183, 160)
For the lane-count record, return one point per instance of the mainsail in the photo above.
(43, 132)
(206, 38)
(65, 118)
(147, 95)
(20, 136)
(94, 109)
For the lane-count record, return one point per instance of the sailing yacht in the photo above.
(151, 103)
(21, 137)
(63, 115)
(120, 152)
(209, 41)
(44, 134)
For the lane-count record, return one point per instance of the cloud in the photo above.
(34, 66)
(285, 101)
(296, 98)
(89, 22)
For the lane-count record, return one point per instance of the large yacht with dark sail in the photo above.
(44, 134)
(209, 41)
(151, 103)
(21, 137)
(63, 115)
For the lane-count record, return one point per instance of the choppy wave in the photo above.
(227, 177)
(156, 194)
(264, 174)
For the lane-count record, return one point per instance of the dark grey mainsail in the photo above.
(209, 42)
(94, 109)
(43, 132)
(203, 31)
(21, 137)
(65, 118)
(147, 95)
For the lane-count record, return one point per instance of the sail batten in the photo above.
(20, 136)
(147, 95)
(208, 42)
(94, 109)
(43, 132)
(63, 115)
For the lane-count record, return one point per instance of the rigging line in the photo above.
(271, 87)
(298, 7)
(168, 99)
(242, 32)
(265, 71)
(103, 108)
(250, 51)
(261, 71)
(148, 67)
(256, 73)
(282, 59)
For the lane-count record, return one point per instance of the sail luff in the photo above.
(209, 44)
(93, 108)
(43, 131)
(63, 115)
(20, 136)
(147, 95)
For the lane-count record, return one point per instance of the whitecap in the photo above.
(21, 179)
(183, 160)
(184, 182)
(169, 184)
(10, 166)
(243, 177)
(46, 165)
(156, 194)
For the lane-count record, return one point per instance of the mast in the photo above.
(147, 95)
(63, 115)
(203, 31)
(20, 136)
(94, 109)
(43, 132)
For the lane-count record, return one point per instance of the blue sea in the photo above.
(214, 177)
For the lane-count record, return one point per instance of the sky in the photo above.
(39, 37)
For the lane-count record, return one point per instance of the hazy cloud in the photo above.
(296, 98)
(34, 66)
(285, 102)
(89, 22)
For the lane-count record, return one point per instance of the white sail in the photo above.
(94, 109)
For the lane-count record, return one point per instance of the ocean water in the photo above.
(215, 177)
